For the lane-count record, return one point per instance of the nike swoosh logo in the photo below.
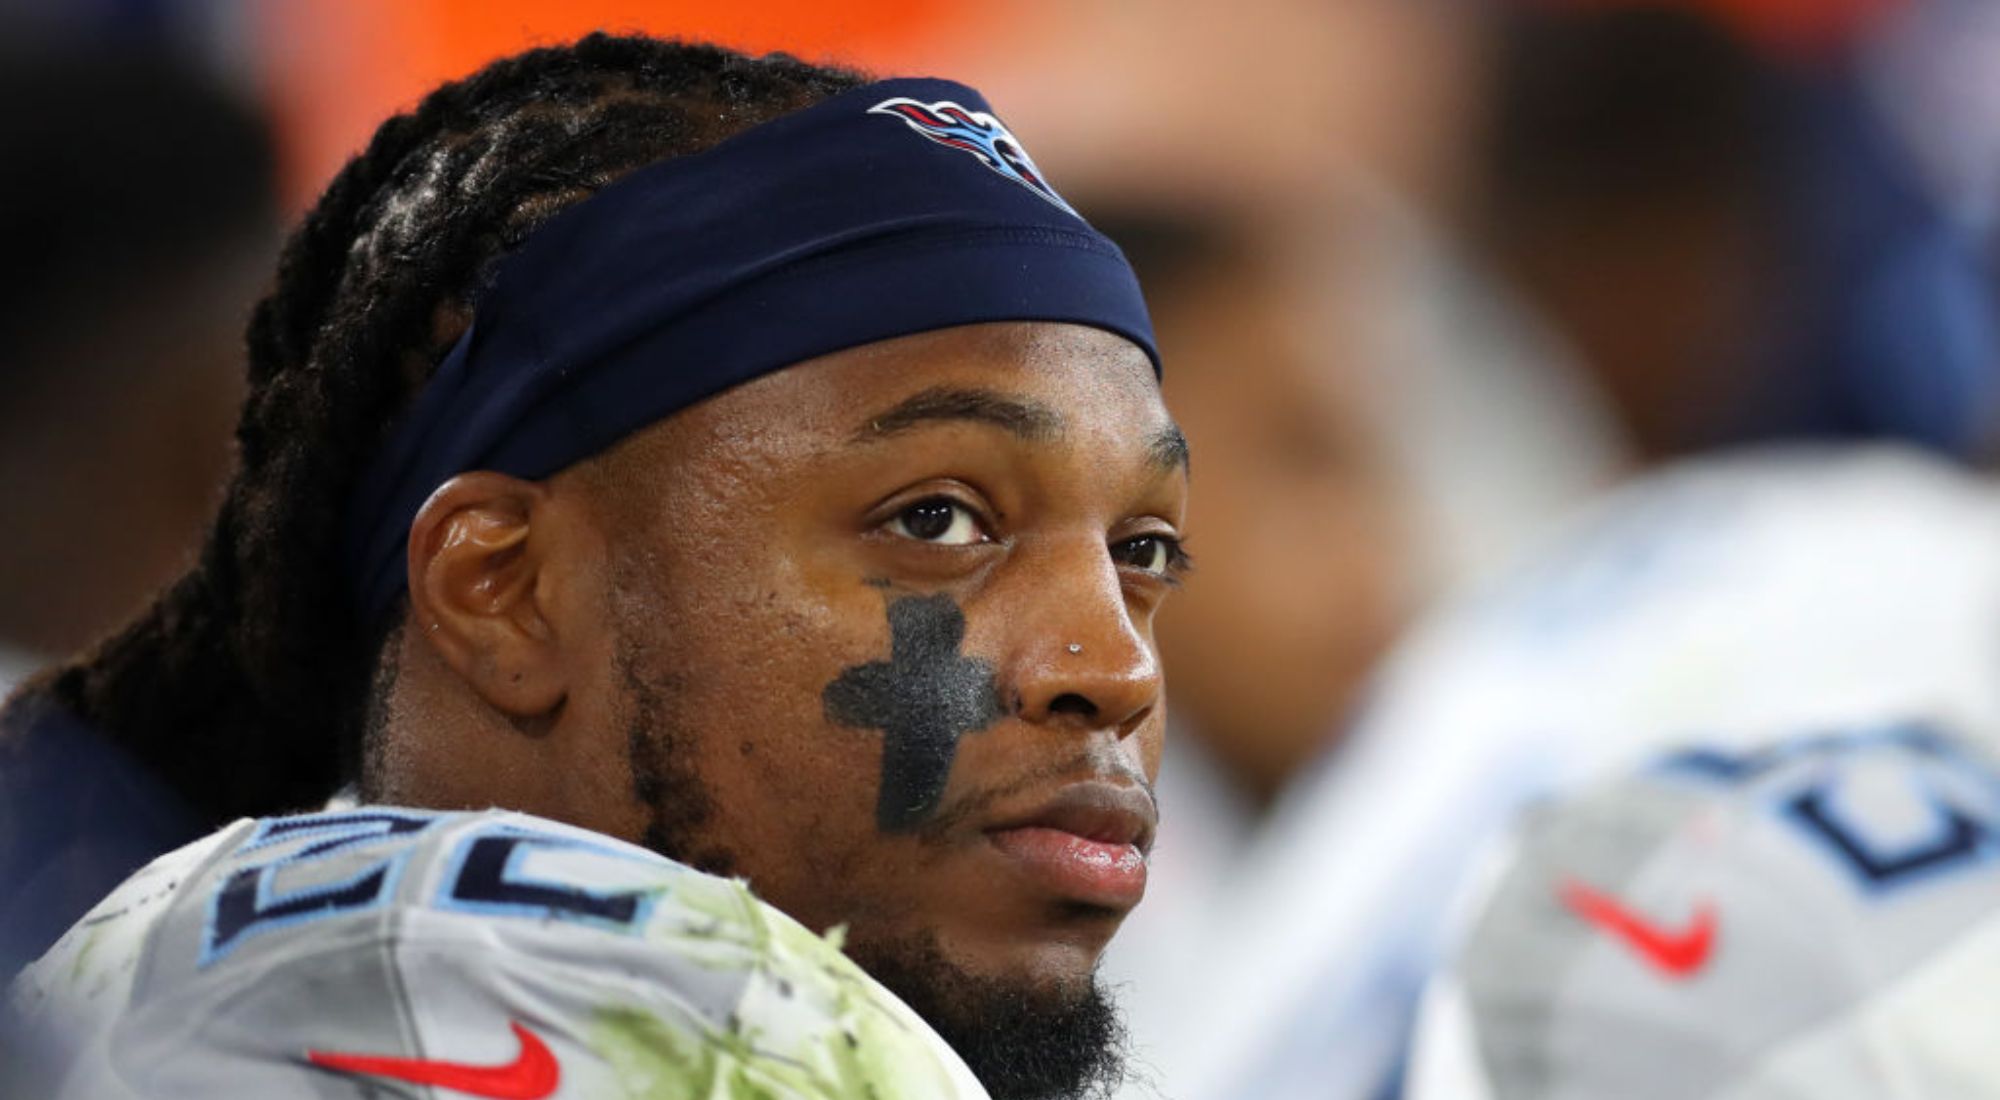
(532, 1075)
(1675, 953)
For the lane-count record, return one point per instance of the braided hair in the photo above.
(245, 685)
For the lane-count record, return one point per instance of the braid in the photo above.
(244, 685)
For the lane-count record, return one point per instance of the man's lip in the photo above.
(1096, 810)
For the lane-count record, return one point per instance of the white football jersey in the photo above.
(386, 952)
(1730, 601)
(1817, 919)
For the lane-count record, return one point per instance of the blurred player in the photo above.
(137, 205)
(1732, 602)
(531, 514)
(1347, 406)
(1811, 918)
(1308, 566)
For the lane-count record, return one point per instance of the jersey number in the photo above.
(485, 874)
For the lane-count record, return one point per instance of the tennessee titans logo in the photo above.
(977, 133)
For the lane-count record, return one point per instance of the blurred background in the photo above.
(1442, 287)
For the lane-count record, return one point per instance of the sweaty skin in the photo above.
(923, 698)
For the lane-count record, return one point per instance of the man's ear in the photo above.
(474, 595)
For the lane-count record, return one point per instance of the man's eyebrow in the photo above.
(1169, 449)
(1029, 420)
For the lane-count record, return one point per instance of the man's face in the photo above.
(1307, 555)
(880, 640)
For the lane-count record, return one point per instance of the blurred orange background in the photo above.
(334, 69)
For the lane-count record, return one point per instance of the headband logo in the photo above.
(975, 132)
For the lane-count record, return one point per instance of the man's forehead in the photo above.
(1041, 382)
(1026, 418)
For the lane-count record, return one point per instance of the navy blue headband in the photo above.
(892, 209)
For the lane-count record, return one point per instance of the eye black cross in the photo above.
(923, 698)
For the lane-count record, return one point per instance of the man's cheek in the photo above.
(920, 701)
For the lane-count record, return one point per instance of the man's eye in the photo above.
(1158, 554)
(938, 520)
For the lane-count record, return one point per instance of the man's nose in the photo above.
(1077, 657)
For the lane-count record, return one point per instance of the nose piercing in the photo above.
(1075, 648)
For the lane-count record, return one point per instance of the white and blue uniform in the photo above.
(378, 952)
(1732, 601)
(1817, 919)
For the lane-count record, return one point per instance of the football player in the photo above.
(1732, 602)
(1809, 917)
(755, 481)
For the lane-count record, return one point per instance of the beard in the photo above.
(1021, 1042)
(678, 804)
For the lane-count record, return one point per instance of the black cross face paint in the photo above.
(923, 698)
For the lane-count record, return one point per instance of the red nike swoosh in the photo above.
(532, 1075)
(1678, 954)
